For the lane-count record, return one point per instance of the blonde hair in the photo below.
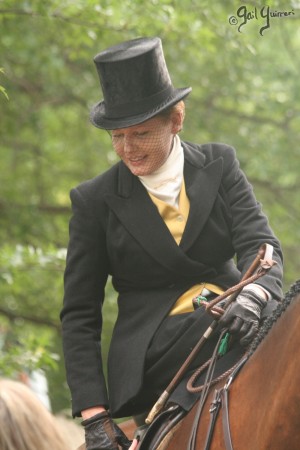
(25, 422)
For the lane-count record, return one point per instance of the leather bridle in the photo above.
(220, 400)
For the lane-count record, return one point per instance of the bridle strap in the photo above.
(225, 421)
(214, 411)
(221, 400)
(204, 393)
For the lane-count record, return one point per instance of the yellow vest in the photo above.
(175, 219)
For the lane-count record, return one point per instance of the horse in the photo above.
(264, 398)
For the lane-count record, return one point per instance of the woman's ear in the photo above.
(177, 118)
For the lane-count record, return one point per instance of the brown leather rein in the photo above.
(220, 400)
(259, 267)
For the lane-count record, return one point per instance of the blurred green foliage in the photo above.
(246, 92)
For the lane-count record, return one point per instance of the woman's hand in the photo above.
(102, 433)
(243, 315)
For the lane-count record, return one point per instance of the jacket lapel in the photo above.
(138, 214)
(202, 185)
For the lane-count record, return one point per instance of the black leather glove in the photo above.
(101, 433)
(243, 315)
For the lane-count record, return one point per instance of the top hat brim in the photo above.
(99, 118)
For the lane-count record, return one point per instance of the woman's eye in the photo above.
(141, 134)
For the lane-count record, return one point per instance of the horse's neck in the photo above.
(264, 399)
(268, 385)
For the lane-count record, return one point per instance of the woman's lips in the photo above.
(138, 160)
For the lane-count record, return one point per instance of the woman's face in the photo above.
(145, 147)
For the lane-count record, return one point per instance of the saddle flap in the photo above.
(153, 436)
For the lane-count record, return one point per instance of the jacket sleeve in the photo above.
(249, 225)
(85, 279)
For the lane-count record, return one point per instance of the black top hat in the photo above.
(135, 83)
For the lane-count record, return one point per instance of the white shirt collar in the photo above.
(165, 183)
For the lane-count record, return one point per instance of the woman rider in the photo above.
(169, 221)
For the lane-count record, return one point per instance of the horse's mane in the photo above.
(271, 320)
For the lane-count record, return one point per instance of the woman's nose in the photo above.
(128, 144)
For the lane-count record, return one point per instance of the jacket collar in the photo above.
(134, 208)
